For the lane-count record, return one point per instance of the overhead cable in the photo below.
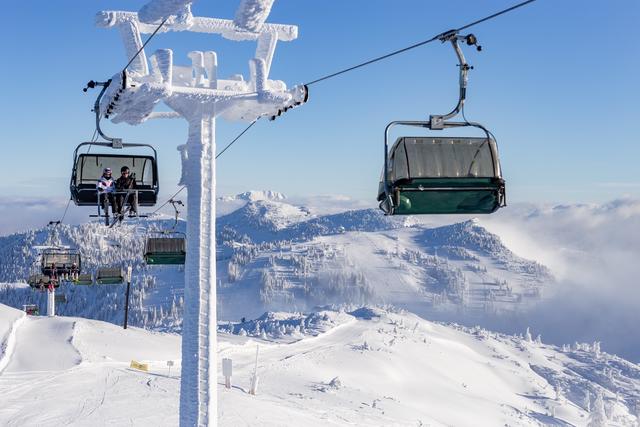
(422, 43)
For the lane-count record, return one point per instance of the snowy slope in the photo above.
(370, 367)
(70, 371)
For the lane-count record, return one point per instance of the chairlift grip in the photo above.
(437, 121)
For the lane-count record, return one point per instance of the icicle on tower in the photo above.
(196, 93)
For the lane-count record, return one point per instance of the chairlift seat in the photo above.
(31, 309)
(36, 281)
(443, 175)
(59, 261)
(109, 276)
(83, 280)
(165, 250)
(88, 168)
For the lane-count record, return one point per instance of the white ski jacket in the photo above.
(107, 185)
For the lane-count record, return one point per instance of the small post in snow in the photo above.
(51, 301)
(126, 304)
(254, 379)
(169, 364)
(227, 370)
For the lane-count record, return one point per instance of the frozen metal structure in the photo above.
(196, 93)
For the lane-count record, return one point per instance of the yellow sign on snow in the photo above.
(139, 366)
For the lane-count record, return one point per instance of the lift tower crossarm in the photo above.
(224, 27)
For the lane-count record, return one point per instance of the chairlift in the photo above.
(166, 247)
(88, 167)
(109, 276)
(60, 263)
(83, 280)
(31, 309)
(442, 175)
(42, 281)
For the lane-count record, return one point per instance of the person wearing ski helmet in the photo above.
(124, 186)
(106, 187)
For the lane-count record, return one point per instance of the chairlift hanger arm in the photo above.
(438, 121)
(110, 145)
(114, 142)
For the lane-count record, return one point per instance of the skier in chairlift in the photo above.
(74, 272)
(106, 191)
(124, 184)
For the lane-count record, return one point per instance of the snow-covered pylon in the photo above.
(196, 93)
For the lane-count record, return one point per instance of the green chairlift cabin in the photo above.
(109, 276)
(166, 247)
(442, 175)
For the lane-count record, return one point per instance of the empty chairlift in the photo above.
(167, 247)
(429, 175)
(442, 175)
(109, 276)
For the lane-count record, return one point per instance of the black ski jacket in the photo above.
(127, 183)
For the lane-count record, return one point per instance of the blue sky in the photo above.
(555, 82)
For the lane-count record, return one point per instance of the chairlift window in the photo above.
(90, 167)
(413, 157)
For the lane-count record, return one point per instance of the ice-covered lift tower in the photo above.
(196, 93)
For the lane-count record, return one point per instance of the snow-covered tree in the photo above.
(527, 336)
(596, 349)
(586, 404)
(598, 417)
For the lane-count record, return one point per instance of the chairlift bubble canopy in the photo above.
(167, 248)
(109, 276)
(442, 175)
(88, 167)
(59, 261)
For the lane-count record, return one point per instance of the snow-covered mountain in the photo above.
(366, 366)
(273, 255)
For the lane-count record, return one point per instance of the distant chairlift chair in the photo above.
(166, 247)
(110, 276)
(442, 175)
(60, 263)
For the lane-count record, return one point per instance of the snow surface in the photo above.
(370, 366)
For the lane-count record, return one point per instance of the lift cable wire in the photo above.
(65, 211)
(170, 199)
(145, 43)
(237, 137)
(217, 155)
(422, 43)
